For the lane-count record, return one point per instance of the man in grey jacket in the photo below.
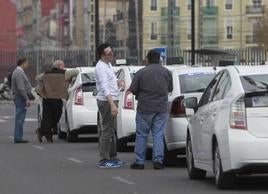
(21, 88)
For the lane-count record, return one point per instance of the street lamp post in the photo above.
(193, 33)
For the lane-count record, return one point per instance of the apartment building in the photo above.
(218, 23)
(83, 24)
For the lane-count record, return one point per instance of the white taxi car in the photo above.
(228, 134)
(187, 82)
(80, 109)
(126, 125)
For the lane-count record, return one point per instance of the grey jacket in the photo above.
(20, 84)
(151, 86)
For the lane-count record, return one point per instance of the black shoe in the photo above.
(158, 165)
(39, 135)
(137, 166)
(20, 141)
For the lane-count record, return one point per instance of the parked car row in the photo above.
(217, 117)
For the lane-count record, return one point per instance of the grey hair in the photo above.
(57, 63)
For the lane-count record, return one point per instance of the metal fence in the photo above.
(41, 60)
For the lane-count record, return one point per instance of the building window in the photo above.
(257, 3)
(210, 3)
(153, 31)
(228, 4)
(229, 30)
(153, 5)
(189, 4)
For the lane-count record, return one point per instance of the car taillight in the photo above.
(78, 98)
(238, 114)
(129, 101)
(177, 108)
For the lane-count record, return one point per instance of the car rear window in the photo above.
(195, 82)
(88, 82)
(252, 83)
(256, 89)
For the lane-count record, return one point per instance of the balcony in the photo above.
(251, 39)
(210, 11)
(253, 10)
(210, 40)
(164, 12)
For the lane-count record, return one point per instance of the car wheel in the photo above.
(61, 134)
(70, 136)
(149, 154)
(170, 157)
(223, 180)
(193, 173)
(121, 145)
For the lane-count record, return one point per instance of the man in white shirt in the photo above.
(107, 99)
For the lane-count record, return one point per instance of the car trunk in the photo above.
(257, 114)
(88, 96)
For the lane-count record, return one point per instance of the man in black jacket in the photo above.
(151, 86)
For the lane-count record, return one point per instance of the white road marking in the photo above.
(2, 121)
(10, 137)
(123, 180)
(8, 117)
(75, 160)
(38, 147)
(31, 119)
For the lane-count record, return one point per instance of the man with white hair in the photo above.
(52, 86)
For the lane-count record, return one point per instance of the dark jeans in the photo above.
(20, 104)
(108, 133)
(52, 110)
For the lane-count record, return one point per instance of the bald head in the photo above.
(58, 64)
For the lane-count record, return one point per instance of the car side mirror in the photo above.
(190, 103)
(95, 92)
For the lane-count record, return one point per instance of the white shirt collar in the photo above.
(20, 68)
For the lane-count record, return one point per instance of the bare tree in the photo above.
(261, 30)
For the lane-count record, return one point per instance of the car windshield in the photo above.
(88, 78)
(195, 82)
(252, 83)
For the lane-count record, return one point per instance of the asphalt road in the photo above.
(70, 168)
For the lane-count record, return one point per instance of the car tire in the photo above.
(223, 180)
(70, 136)
(170, 157)
(61, 134)
(121, 145)
(193, 172)
(149, 154)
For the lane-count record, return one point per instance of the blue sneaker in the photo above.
(108, 164)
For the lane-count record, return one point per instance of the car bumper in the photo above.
(126, 124)
(175, 133)
(83, 117)
(247, 152)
